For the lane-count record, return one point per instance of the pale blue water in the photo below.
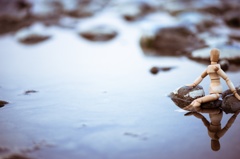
(99, 100)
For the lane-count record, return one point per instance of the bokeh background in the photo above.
(91, 78)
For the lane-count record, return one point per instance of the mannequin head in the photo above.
(214, 55)
(215, 144)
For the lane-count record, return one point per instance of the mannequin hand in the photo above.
(192, 108)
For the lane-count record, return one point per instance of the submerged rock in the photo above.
(32, 35)
(228, 52)
(30, 92)
(3, 103)
(230, 103)
(178, 40)
(184, 95)
(98, 33)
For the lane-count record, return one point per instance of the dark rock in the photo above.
(30, 92)
(228, 52)
(16, 156)
(14, 14)
(177, 40)
(155, 70)
(33, 39)
(33, 34)
(230, 103)
(3, 103)
(213, 104)
(98, 33)
(224, 64)
(184, 95)
(232, 18)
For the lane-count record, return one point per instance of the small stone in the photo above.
(3, 103)
(98, 33)
(32, 35)
(224, 64)
(155, 70)
(230, 103)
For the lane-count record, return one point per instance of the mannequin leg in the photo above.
(195, 105)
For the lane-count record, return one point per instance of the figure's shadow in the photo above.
(214, 127)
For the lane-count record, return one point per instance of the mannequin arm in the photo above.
(228, 125)
(199, 116)
(221, 73)
(199, 79)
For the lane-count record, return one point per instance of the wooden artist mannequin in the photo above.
(215, 72)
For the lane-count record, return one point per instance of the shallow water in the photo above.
(99, 100)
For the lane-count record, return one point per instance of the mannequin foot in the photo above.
(194, 106)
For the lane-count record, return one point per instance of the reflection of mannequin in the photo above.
(215, 131)
(214, 71)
